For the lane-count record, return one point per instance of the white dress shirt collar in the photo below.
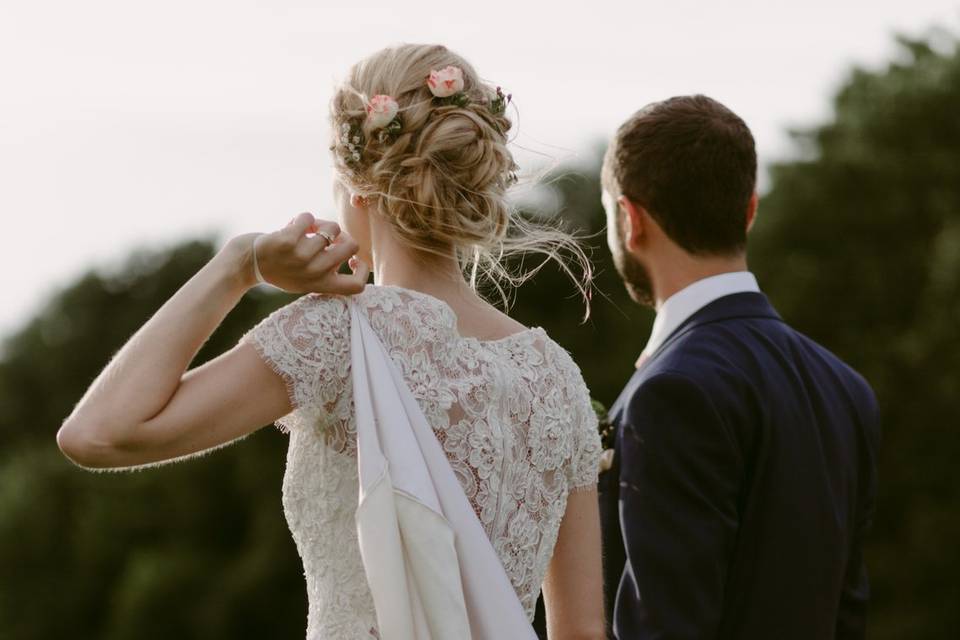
(686, 302)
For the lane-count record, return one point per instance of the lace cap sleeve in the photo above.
(585, 464)
(307, 343)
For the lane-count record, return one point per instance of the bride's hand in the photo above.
(298, 263)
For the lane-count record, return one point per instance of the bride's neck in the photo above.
(396, 264)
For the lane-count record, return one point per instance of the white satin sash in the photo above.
(432, 570)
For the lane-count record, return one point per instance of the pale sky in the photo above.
(128, 124)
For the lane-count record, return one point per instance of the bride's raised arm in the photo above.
(145, 407)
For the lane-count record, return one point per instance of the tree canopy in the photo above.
(858, 246)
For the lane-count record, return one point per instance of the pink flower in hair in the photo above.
(446, 82)
(381, 110)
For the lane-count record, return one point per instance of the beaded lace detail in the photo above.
(513, 416)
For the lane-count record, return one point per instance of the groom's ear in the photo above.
(752, 210)
(633, 222)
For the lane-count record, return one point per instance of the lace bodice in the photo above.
(513, 416)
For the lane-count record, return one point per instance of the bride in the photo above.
(420, 151)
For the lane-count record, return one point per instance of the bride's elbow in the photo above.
(85, 446)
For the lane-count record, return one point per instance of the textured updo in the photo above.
(441, 179)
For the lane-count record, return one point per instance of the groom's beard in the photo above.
(635, 276)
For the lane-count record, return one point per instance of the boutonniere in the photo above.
(608, 434)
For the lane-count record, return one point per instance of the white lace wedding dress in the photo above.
(513, 416)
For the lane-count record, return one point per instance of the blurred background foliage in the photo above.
(857, 245)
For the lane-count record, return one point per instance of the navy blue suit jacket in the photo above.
(744, 479)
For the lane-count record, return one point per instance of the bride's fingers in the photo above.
(325, 232)
(347, 283)
(298, 227)
(336, 254)
(361, 270)
(328, 227)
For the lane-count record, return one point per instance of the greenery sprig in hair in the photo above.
(390, 132)
(383, 120)
(498, 105)
(351, 137)
(459, 99)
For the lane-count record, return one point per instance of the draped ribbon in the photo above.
(431, 568)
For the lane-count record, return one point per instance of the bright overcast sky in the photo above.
(127, 123)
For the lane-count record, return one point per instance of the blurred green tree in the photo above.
(858, 245)
(194, 550)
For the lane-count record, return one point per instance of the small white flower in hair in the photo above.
(446, 82)
(381, 110)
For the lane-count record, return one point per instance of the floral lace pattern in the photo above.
(513, 416)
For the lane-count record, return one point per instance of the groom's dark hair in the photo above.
(692, 164)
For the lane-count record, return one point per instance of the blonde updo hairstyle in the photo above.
(441, 180)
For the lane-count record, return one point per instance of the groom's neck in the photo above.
(677, 270)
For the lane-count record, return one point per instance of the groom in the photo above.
(744, 472)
